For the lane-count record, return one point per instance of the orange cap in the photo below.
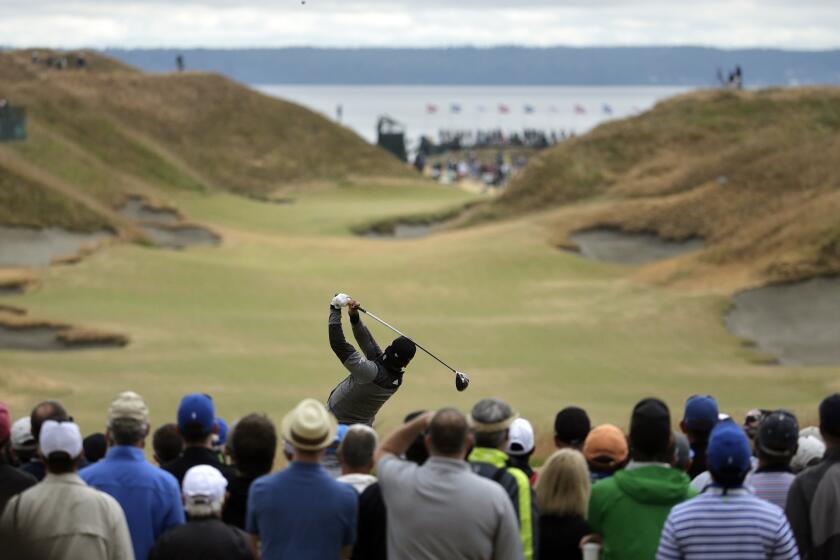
(606, 440)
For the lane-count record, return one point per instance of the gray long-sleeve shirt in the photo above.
(361, 394)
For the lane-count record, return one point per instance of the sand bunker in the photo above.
(40, 337)
(630, 248)
(797, 323)
(31, 247)
(400, 231)
(166, 226)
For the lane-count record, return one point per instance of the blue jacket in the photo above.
(149, 496)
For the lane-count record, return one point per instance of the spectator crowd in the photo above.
(444, 485)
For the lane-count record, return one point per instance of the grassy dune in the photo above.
(246, 322)
(754, 173)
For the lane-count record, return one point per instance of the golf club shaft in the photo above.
(396, 330)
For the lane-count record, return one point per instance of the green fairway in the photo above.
(246, 322)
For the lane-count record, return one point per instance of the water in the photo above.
(553, 107)
(630, 248)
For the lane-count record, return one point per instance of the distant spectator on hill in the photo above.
(372, 527)
(563, 500)
(727, 520)
(43, 411)
(355, 454)
(167, 444)
(605, 450)
(629, 509)
(62, 518)
(520, 447)
(809, 452)
(571, 426)
(252, 444)
(197, 424)
(813, 499)
(701, 415)
(13, 481)
(682, 453)
(95, 446)
(302, 512)
(776, 444)
(204, 536)
(442, 509)
(490, 420)
(149, 496)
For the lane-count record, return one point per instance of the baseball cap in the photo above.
(129, 405)
(778, 434)
(571, 425)
(197, 408)
(60, 437)
(605, 445)
(729, 451)
(830, 415)
(810, 450)
(400, 352)
(221, 434)
(701, 413)
(520, 437)
(5, 422)
(204, 483)
(650, 426)
(22, 434)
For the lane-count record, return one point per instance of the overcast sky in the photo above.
(794, 24)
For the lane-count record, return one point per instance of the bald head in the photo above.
(43, 411)
(448, 431)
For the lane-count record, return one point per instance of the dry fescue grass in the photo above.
(753, 173)
(99, 134)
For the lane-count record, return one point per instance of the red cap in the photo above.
(5, 423)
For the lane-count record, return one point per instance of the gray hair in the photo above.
(357, 447)
(202, 507)
(127, 431)
(490, 411)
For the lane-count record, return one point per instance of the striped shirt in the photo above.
(772, 486)
(714, 526)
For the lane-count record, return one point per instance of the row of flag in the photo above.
(503, 108)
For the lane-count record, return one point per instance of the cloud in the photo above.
(809, 24)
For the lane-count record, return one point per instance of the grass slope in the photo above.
(109, 130)
(246, 322)
(754, 173)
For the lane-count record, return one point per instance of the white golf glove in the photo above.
(340, 300)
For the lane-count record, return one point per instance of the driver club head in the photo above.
(462, 381)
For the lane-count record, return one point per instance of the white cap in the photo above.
(810, 448)
(129, 405)
(60, 436)
(22, 434)
(206, 482)
(520, 438)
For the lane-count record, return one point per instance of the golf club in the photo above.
(462, 380)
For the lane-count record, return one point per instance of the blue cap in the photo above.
(340, 433)
(198, 409)
(729, 450)
(701, 413)
(221, 434)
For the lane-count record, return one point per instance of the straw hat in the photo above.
(309, 426)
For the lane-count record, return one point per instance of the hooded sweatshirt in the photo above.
(630, 509)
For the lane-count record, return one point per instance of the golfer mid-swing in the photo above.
(374, 375)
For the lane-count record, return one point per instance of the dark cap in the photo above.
(95, 446)
(400, 352)
(650, 427)
(830, 415)
(701, 413)
(778, 434)
(571, 425)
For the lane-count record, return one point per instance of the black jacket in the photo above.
(236, 505)
(812, 509)
(193, 456)
(13, 481)
(203, 539)
(371, 532)
(560, 536)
